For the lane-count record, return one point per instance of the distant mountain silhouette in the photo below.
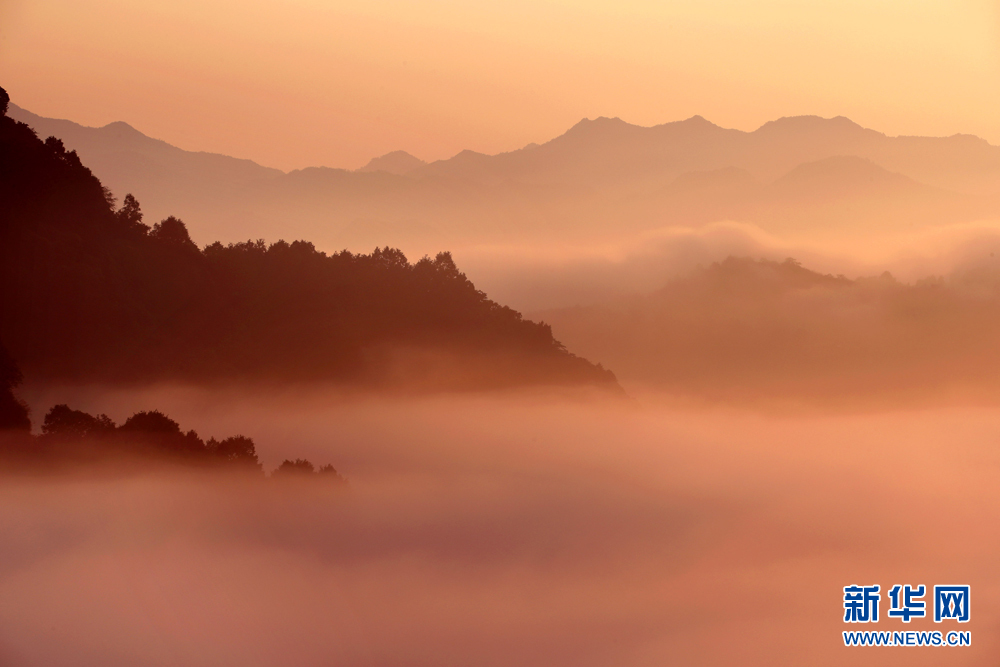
(599, 178)
(608, 152)
(750, 330)
(843, 175)
(834, 195)
(91, 293)
(605, 154)
(167, 179)
(396, 162)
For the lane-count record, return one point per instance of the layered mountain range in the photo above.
(797, 176)
(760, 330)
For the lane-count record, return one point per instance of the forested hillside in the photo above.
(90, 292)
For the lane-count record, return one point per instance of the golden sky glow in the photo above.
(305, 82)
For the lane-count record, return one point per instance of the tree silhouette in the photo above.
(130, 215)
(13, 412)
(153, 422)
(238, 449)
(296, 467)
(155, 430)
(172, 231)
(329, 472)
(70, 436)
(304, 469)
(64, 422)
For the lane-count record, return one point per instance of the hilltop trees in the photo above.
(66, 423)
(173, 232)
(72, 435)
(237, 449)
(303, 468)
(72, 439)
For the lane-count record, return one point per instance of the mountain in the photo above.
(600, 178)
(838, 195)
(92, 294)
(610, 153)
(749, 330)
(396, 162)
(605, 154)
(167, 179)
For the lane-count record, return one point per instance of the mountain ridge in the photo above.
(121, 129)
(585, 127)
(576, 185)
(399, 163)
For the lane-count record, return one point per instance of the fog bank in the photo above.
(486, 530)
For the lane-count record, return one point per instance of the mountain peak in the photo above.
(120, 128)
(599, 123)
(399, 163)
(810, 124)
(698, 119)
(119, 125)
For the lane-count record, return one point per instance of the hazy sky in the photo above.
(292, 83)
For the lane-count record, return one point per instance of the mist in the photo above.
(755, 367)
(533, 278)
(518, 529)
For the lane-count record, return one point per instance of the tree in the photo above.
(296, 467)
(130, 215)
(303, 468)
(390, 258)
(238, 449)
(172, 231)
(13, 412)
(149, 434)
(64, 422)
(329, 472)
(151, 422)
(159, 431)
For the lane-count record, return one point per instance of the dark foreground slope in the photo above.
(89, 293)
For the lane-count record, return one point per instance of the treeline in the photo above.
(90, 292)
(72, 438)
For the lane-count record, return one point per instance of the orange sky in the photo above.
(294, 83)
